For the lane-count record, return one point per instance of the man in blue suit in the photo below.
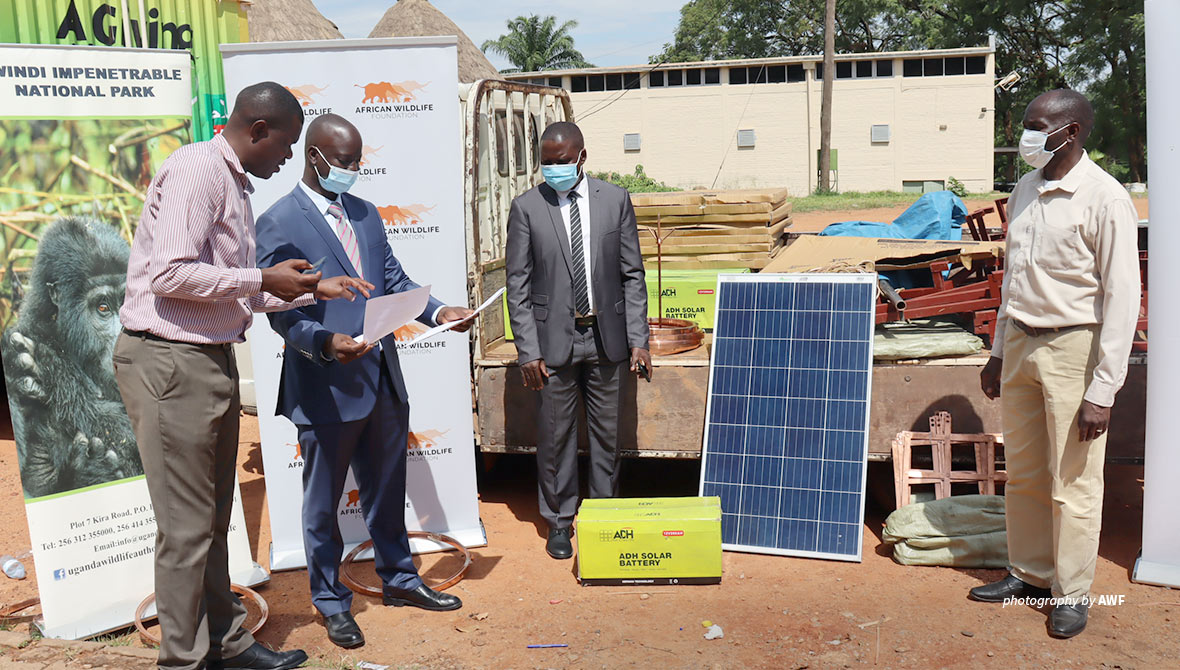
(347, 399)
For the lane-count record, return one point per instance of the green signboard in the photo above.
(197, 26)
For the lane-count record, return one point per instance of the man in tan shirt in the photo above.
(1071, 298)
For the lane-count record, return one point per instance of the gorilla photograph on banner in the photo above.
(72, 194)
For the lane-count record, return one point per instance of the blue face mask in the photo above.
(338, 180)
(561, 177)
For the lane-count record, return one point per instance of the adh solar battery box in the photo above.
(649, 541)
(687, 294)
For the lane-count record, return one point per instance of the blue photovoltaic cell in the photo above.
(786, 435)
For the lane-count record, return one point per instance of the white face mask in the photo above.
(1032, 147)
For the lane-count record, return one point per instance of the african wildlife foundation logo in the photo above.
(426, 445)
(408, 221)
(393, 100)
(310, 97)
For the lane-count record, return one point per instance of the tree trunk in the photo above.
(825, 110)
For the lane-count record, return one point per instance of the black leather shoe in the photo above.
(1068, 620)
(343, 631)
(258, 657)
(558, 545)
(1008, 587)
(424, 597)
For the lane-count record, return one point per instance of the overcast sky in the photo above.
(609, 32)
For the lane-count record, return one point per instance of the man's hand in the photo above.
(638, 355)
(535, 374)
(342, 287)
(989, 377)
(1092, 421)
(286, 280)
(449, 314)
(344, 349)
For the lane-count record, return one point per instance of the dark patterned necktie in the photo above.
(581, 295)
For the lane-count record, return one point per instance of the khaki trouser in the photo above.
(1054, 489)
(183, 403)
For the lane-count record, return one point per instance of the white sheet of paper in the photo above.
(447, 326)
(387, 313)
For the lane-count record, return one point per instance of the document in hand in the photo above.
(451, 324)
(387, 313)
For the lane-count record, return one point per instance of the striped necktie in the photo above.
(581, 295)
(347, 237)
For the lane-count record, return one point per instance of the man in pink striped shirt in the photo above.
(192, 289)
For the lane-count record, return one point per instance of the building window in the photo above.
(864, 69)
(844, 70)
(932, 67)
(796, 73)
(614, 82)
(555, 82)
(953, 66)
(819, 71)
(976, 64)
(884, 68)
(713, 75)
(737, 75)
(759, 74)
(656, 78)
(631, 80)
(597, 82)
(911, 67)
(777, 74)
(676, 77)
(578, 84)
(692, 77)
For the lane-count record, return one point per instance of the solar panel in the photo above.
(786, 427)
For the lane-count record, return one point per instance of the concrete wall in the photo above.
(940, 127)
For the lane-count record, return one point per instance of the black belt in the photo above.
(586, 321)
(145, 335)
(1033, 331)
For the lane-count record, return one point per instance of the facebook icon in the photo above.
(59, 574)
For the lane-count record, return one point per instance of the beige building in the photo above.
(901, 120)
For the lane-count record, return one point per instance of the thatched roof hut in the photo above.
(288, 20)
(419, 18)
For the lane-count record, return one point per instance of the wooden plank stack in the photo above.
(713, 229)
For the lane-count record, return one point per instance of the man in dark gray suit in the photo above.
(578, 305)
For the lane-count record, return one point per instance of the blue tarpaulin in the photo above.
(935, 216)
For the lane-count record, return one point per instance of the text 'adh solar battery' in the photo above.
(786, 428)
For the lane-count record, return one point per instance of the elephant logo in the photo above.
(409, 215)
(425, 439)
(368, 153)
(384, 91)
(409, 331)
(298, 450)
(306, 94)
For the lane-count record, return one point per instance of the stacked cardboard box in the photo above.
(712, 229)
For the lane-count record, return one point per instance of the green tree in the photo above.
(536, 43)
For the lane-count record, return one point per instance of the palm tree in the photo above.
(534, 44)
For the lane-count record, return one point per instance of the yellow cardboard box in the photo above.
(649, 541)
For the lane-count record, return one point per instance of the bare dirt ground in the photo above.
(776, 612)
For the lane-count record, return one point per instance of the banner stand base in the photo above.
(1156, 574)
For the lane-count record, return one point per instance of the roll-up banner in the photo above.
(82, 131)
(402, 94)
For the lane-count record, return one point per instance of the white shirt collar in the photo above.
(582, 189)
(321, 203)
